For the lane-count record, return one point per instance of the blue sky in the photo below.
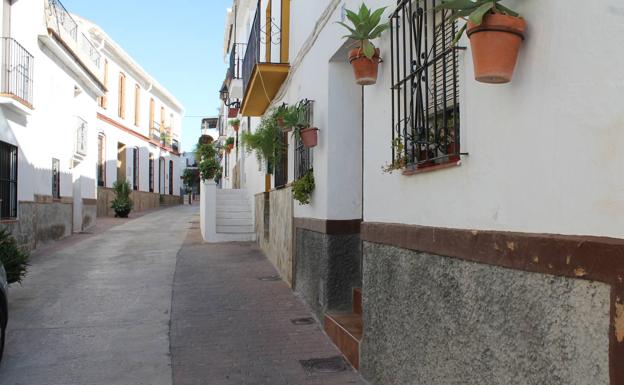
(179, 43)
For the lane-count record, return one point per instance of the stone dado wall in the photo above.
(437, 320)
(143, 201)
(278, 246)
(48, 220)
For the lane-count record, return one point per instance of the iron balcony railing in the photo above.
(17, 70)
(252, 54)
(237, 55)
(61, 18)
(425, 85)
(155, 131)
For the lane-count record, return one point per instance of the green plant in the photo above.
(164, 137)
(235, 122)
(400, 159)
(295, 117)
(367, 26)
(303, 187)
(230, 141)
(266, 141)
(474, 11)
(122, 203)
(190, 178)
(12, 257)
(207, 162)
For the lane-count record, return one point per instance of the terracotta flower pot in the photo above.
(232, 112)
(495, 45)
(230, 146)
(365, 69)
(309, 137)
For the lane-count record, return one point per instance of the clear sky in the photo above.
(179, 43)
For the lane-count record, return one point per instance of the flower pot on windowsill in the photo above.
(495, 45)
(365, 69)
(452, 152)
(309, 137)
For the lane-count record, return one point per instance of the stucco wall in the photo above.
(440, 321)
(278, 247)
(327, 269)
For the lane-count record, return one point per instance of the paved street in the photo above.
(99, 311)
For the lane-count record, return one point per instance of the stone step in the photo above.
(246, 237)
(234, 222)
(235, 229)
(345, 330)
(234, 215)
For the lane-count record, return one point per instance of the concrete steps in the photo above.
(234, 216)
(345, 330)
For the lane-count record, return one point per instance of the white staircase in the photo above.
(234, 216)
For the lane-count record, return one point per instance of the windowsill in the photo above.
(8, 221)
(415, 170)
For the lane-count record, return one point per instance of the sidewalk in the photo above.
(229, 326)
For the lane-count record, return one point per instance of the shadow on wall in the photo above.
(46, 203)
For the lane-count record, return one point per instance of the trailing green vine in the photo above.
(303, 188)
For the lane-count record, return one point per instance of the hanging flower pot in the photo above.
(232, 112)
(365, 69)
(495, 46)
(309, 137)
(230, 146)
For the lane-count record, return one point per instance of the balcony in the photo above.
(16, 83)
(73, 47)
(155, 132)
(234, 78)
(265, 66)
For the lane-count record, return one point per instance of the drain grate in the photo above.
(325, 365)
(270, 278)
(303, 321)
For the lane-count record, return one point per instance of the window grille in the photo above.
(101, 165)
(170, 177)
(8, 180)
(81, 137)
(425, 86)
(281, 163)
(151, 173)
(56, 179)
(135, 168)
(303, 155)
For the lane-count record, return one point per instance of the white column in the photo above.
(208, 211)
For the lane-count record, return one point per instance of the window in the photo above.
(227, 165)
(122, 96)
(425, 87)
(151, 172)
(56, 179)
(170, 177)
(152, 108)
(161, 175)
(281, 162)
(81, 137)
(137, 105)
(303, 155)
(104, 100)
(162, 117)
(135, 168)
(101, 161)
(8, 180)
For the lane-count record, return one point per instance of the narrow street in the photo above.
(100, 311)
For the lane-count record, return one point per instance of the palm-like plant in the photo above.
(367, 26)
(473, 11)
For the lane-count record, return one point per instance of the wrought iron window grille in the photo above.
(303, 155)
(17, 70)
(8, 180)
(425, 85)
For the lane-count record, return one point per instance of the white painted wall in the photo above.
(544, 150)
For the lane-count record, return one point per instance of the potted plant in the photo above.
(297, 118)
(266, 141)
(229, 143)
(496, 34)
(122, 203)
(235, 123)
(207, 162)
(280, 115)
(365, 57)
(12, 257)
(303, 187)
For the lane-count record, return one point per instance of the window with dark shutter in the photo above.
(8, 181)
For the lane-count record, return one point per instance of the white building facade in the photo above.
(450, 251)
(54, 79)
